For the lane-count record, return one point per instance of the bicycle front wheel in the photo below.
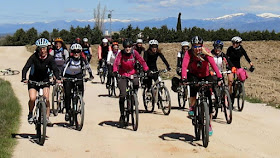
(241, 96)
(205, 120)
(134, 112)
(55, 101)
(226, 101)
(164, 100)
(181, 99)
(80, 113)
(13, 72)
(148, 100)
(41, 124)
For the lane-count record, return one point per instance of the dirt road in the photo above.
(253, 132)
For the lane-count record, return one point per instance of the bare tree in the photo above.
(99, 16)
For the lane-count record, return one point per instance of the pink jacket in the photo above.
(125, 64)
(201, 72)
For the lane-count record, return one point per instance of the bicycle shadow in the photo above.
(94, 82)
(178, 108)
(173, 136)
(31, 137)
(219, 120)
(154, 112)
(65, 125)
(103, 95)
(115, 124)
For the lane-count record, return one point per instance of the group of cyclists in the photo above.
(193, 64)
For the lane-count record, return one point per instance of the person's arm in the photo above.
(214, 66)
(229, 63)
(164, 60)
(185, 65)
(141, 61)
(146, 56)
(117, 62)
(53, 67)
(87, 66)
(110, 53)
(246, 56)
(66, 54)
(90, 50)
(99, 51)
(26, 67)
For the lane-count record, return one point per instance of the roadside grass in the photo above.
(10, 110)
(253, 99)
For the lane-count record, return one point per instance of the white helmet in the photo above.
(151, 42)
(42, 42)
(139, 41)
(185, 43)
(105, 40)
(236, 39)
(49, 44)
(76, 46)
(85, 39)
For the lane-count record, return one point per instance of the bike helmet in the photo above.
(42, 42)
(85, 40)
(139, 41)
(76, 46)
(105, 40)
(115, 43)
(197, 40)
(236, 39)
(127, 43)
(185, 43)
(153, 42)
(58, 39)
(49, 44)
(218, 43)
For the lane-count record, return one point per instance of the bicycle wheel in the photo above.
(181, 98)
(226, 101)
(134, 112)
(216, 106)
(55, 102)
(102, 77)
(205, 120)
(241, 96)
(41, 124)
(164, 100)
(195, 122)
(148, 100)
(13, 72)
(126, 112)
(80, 113)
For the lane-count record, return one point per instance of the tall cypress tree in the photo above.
(179, 25)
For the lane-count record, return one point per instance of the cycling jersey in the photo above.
(151, 59)
(180, 57)
(103, 52)
(76, 67)
(235, 55)
(86, 48)
(219, 58)
(125, 62)
(198, 67)
(111, 57)
(60, 56)
(39, 68)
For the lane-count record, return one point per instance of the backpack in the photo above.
(242, 74)
(175, 84)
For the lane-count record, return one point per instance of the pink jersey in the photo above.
(125, 64)
(194, 68)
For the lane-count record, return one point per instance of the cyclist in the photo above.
(59, 53)
(73, 68)
(87, 49)
(185, 46)
(197, 60)
(124, 65)
(39, 62)
(103, 50)
(110, 61)
(234, 53)
(138, 47)
(150, 57)
(78, 40)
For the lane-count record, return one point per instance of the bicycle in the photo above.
(182, 95)
(57, 99)
(201, 118)
(223, 100)
(131, 104)
(102, 71)
(159, 94)
(39, 116)
(77, 111)
(8, 71)
(238, 92)
(112, 87)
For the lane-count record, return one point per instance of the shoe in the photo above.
(121, 122)
(67, 116)
(49, 123)
(210, 130)
(30, 118)
(191, 111)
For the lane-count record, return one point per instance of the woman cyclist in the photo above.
(197, 60)
(59, 53)
(103, 50)
(124, 65)
(151, 56)
(39, 62)
(110, 61)
(185, 46)
(234, 53)
(139, 46)
(74, 67)
(87, 49)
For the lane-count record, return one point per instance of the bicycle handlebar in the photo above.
(75, 79)
(41, 83)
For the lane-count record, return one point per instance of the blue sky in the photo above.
(22, 11)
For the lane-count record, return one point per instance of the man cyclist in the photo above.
(110, 61)
(39, 62)
(59, 53)
(73, 68)
(87, 49)
(124, 65)
(197, 60)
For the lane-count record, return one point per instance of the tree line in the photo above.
(162, 34)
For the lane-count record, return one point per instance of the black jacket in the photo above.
(235, 55)
(151, 60)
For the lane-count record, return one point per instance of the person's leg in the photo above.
(31, 103)
(230, 81)
(67, 85)
(46, 92)
(122, 87)
(136, 84)
(109, 76)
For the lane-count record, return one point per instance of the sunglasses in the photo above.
(76, 51)
(154, 46)
(197, 46)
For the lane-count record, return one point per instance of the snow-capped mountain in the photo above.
(240, 21)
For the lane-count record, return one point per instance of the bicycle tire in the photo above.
(195, 120)
(204, 116)
(80, 113)
(181, 99)
(126, 112)
(14, 72)
(227, 106)
(166, 98)
(134, 112)
(102, 78)
(216, 107)
(148, 99)
(241, 97)
(41, 124)
(54, 101)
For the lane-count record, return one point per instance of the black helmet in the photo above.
(218, 43)
(196, 40)
(127, 43)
